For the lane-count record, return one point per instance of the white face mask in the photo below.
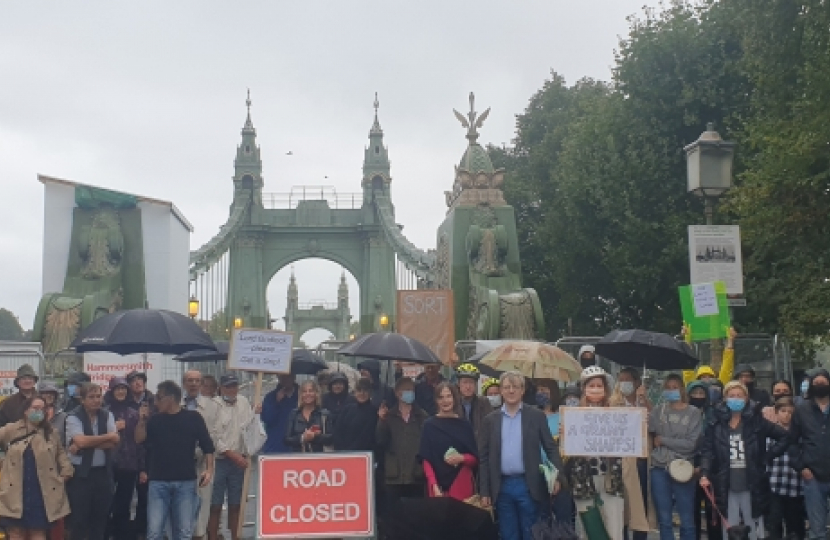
(495, 401)
(572, 402)
(626, 388)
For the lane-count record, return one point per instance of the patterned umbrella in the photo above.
(532, 359)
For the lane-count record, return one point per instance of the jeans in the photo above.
(179, 500)
(815, 498)
(668, 494)
(738, 507)
(228, 479)
(516, 508)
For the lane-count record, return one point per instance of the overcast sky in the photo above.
(148, 97)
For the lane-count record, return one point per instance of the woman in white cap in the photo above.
(590, 477)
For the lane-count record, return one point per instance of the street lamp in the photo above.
(384, 321)
(193, 307)
(237, 322)
(709, 167)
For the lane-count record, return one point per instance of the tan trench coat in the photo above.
(52, 463)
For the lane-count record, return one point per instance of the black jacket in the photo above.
(297, 425)
(755, 430)
(355, 427)
(810, 440)
(335, 403)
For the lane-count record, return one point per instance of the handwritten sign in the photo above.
(428, 316)
(705, 299)
(267, 351)
(604, 432)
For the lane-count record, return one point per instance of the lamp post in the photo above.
(709, 174)
(384, 322)
(193, 307)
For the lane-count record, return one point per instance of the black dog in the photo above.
(738, 532)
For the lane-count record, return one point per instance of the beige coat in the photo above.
(52, 463)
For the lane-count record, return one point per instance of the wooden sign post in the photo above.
(260, 351)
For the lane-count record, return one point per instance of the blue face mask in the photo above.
(671, 396)
(36, 417)
(735, 404)
(542, 399)
(408, 396)
(71, 389)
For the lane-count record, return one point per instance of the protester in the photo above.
(355, 428)
(338, 395)
(810, 449)
(787, 499)
(234, 415)
(745, 374)
(381, 393)
(71, 385)
(571, 396)
(209, 386)
(706, 374)
(734, 459)
(32, 494)
(425, 388)
(276, 407)
(698, 393)
(509, 473)
(309, 425)
(474, 408)
(629, 391)
(13, 407)
(448, 449)
(127, 457)
(675, 426)
(140, 399)
(170, 436)
(780, 389)
(399, 437)
(548, 400)
(91, 436)
(491, 390)
(55, 415)
(606, 477)
(587, 356)
(209, 410)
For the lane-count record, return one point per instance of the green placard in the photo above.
(705, 310)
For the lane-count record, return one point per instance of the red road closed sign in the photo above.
(315, 495)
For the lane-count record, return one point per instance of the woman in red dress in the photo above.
(448, 448)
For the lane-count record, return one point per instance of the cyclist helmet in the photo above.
(467, 370)
(489, 383)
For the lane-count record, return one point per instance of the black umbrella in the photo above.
(649, 350)
(305, 362)
(436, 518)
(390, 346)
(206, 355)
(143, 330)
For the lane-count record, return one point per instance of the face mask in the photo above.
(627, 388)
(587, 361)
(542, 399)
(820, 391)
(671, 396)
(804, 387)
(596, 393)
(408, 396)
(736, 404)
(572, 402)
(698, 402)
(36, 417)
(779, 396)
(71, 389)
(495, 401)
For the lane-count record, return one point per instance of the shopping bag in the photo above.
(593, 523)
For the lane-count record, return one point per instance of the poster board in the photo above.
(429, 316)
(103, 366)
(715, 255)
(263, 351)
(316, 496)
(604, 431)
(705, 309)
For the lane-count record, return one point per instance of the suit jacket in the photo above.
(536, 436)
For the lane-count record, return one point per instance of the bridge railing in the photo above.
(317, 304)
(298, 194)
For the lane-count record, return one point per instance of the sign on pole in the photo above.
(428, 316)
(604, 432)
(715, 255)
(705, 310)
(316, 496)
(264, 351)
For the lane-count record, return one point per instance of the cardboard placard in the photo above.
(604, 431)
(264, 351)
(705, 309)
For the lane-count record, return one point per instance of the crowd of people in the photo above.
(121, 461)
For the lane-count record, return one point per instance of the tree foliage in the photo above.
(10, 328)
(598, 177)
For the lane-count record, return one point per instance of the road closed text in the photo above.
(308, 513)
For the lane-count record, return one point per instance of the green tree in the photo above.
(10, 328)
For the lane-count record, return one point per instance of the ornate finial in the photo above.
(376, 125)
(377, 104)
(248, 101)
(473, 121)
(248, 124)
